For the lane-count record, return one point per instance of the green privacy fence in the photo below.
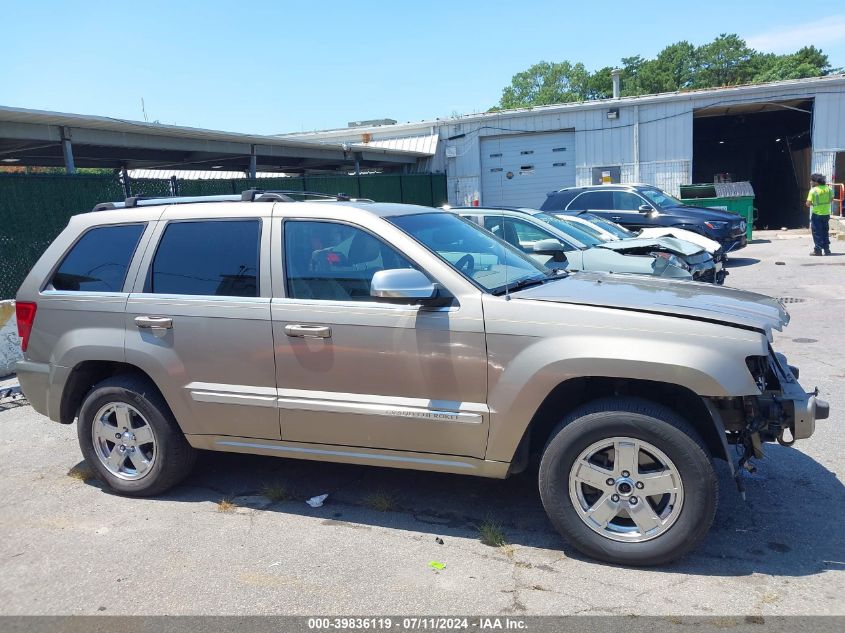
(35, 208)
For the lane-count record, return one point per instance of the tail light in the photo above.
(25, 315)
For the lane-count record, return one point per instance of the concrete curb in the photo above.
(10, 348)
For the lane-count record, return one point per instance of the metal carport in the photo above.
(39, 138)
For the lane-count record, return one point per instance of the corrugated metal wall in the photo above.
(651, 141)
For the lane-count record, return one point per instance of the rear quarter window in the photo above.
(558, 201)
(99, 260)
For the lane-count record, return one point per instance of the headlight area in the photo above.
(674, 260)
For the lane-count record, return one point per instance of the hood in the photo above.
(670, 244)
(664, 296)
(711, 246)
(704, 213)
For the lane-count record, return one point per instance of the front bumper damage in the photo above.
(782, 412)
(789, 408)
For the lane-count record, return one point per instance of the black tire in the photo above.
(649, 422)
(174, 456)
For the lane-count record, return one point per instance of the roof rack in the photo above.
(291, 195)
(148, 201)
(250, 195)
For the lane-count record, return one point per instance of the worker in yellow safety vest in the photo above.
(818, 201)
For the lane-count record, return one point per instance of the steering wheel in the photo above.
(466, 263)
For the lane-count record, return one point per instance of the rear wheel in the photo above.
(128, 434)
(628, 481)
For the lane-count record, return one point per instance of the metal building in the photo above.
(773, 135)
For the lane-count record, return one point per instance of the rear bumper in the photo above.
(42, 385)
(34, 379)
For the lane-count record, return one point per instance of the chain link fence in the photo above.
(35, 208)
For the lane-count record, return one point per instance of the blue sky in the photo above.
(269, 67)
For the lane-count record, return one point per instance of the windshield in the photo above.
(472, 251)
(660, 199)
(575, 230)
(611, 227)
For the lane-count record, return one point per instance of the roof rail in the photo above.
(289, 195)
(250, 195)
(148, 201)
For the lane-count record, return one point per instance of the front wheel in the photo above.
(628, 481)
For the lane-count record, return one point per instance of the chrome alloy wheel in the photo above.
(123, 441)
(626, 489)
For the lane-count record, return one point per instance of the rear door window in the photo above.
(627, 201)
(99, 260)
(208, 257)
(597, 200)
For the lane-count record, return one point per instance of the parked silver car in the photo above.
(558, 244)
(402, 336)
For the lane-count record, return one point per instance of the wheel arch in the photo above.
(88, 373)
(575, 392)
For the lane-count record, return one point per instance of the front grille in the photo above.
(706, 276)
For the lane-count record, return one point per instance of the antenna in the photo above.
(502, 212)
(144, 111)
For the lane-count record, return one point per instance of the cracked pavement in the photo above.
(69, 546)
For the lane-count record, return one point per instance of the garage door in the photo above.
(520, 169)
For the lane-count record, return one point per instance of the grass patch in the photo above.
(491, 534)
(380, 502)
(276, 491)
(82, 472)
(226, 505)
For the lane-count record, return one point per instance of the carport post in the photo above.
(253, 163)
(67, 151)
(357, 163)
(124, 180)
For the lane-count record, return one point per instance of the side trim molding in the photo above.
(334, 402)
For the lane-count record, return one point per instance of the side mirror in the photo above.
(552, 247)
(644, 208)
(402, 284)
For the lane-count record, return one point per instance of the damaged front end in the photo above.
(782, 412)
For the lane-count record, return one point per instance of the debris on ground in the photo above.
(316, 502)
(439, 540)
(780, 263)
(436, 565)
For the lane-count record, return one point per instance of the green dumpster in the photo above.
(737, 197)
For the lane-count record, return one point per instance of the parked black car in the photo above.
(641, 206)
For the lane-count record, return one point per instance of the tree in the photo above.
(546, 83)
(807, 62)
(726, 61)
(676, 67)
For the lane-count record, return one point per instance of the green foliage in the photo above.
(726, 61)
(547, 83)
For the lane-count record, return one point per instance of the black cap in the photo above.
(819, 178)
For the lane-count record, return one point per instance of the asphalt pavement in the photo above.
(69, 546)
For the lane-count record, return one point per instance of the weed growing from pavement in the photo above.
(380, 501)
(491, 534)
(82, 472)
(276, 491)
(226, 505)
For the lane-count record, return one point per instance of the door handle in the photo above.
(308, 331)
(154, 322)
(616, 218)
